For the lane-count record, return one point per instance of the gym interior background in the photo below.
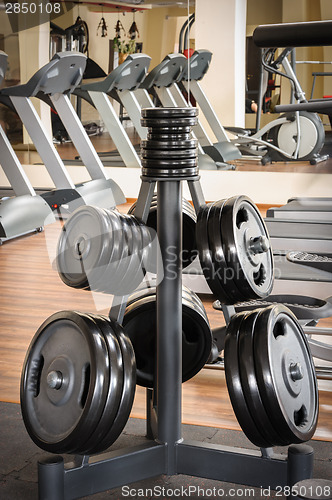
(31, 290)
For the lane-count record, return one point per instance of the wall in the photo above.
(221, 27)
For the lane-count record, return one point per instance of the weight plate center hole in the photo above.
(82, 247)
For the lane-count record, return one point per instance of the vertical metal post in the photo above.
(51, 476)
(300, 464)
(169, 317)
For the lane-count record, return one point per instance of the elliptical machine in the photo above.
(293, 136)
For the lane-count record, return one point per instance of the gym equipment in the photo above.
(314, 209)
(305, 125)
(137, 98)
(270, 377)
(140, 325)
(234, 250)
(166, 452)
(307, 310)
(189, 219)
(295, 136)
(26, 212)
(126, 77)
(103, 250)
(78, 372)
(55, 81)
(163, 80)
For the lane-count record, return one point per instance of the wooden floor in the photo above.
(31, 291)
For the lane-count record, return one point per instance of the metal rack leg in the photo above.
(51, 477)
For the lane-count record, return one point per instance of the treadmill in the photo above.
(163, 81)
(26, 212)
(56, 81)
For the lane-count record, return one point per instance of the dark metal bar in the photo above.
(225, 463)
(169, 317)
(300, 464)
(118, 308)
(261, 94)
(115, 469)
(51, 479)
(196, 194)
(144, 200)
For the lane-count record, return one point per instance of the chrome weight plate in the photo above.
(128, 388)
(234, 383)
(247, 247)
(64, 382)
(285, 374)
(249, 382)
(140, 325)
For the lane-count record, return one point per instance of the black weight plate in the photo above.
(127, 284)
(117, 266)
(234, 385)
(140, 325)
(249, 381)
(143, 237)
(187, 294)
(83, 246)
(125, 256)
(242, 223)
(204, 253)
(189, 251)
(170, 130)
(222, 271)
(164, 138)
(168, 112)
(285, 374)
(169, 143)
(168, 154)
(156, 173)
(128, 390)
(64, 382)
(169, 163)
(104, 281)
(115, 387)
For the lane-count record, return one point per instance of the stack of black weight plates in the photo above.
(141, 327)
(78, 383)
(169, 151)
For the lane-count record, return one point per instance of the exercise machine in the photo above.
(25, 212)
(297, 136)
(126, 77)
(164, 80)
(55, 82)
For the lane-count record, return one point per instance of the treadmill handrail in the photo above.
(61, 75)
(304, 34)
(199, 63)
(127, 76)
(168, 71)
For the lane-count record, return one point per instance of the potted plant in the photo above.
(124, 48)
